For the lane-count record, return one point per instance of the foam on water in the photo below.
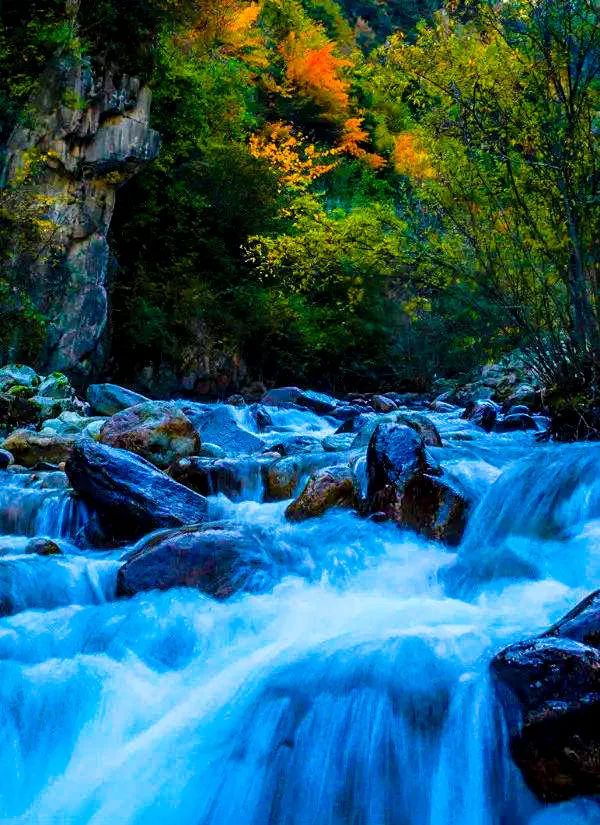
(354, 692)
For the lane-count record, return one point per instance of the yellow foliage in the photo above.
(411, 158)
(231, 26)
(297, 161)
(353, 136)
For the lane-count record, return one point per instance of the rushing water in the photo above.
(355, 692)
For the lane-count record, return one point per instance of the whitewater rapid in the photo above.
(354, 692)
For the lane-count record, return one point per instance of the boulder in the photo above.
(72, 424)
(338, 442)
(347, 411)
(6, 459)
(31, 449)
(357, 423)
(219, 426)
(218, 559)
(403, 486)
(515, 423)
(423, 426)
(550, 686)
(41, 546)
(156, 430)
(236, 400)
(330, 487)
(382, 404)
(209, 476)
(318, 402)
(108, 399)
(13, 375)
(442, 406)
(481, 413)
(435, 508)
(281, 478)
(56, 385)
(297, 445)
(261, 417)
(130, 494)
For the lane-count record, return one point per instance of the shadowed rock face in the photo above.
(331, 487)
(129, 493)
(88, 151)
(551, 685)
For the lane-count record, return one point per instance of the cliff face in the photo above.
(91, 130)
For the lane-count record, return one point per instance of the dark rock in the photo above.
(262, 417)
(131, 495)
(338, 442)
(551, 688)
(482, 413)
(109, 399)
(6, 459)
(434, 507)
(236, 400)
(297, 444)
(356, 423)
(218, 425)
(219, 560)
(515, 423)
(31, 449)
(209, 476)
(423, 426)
(442, 407)
(155, 430)
(396, 454)
(382, 404)
(316, 401)
(518, 409)
(347, 412)
(41, 546)
(330, 487)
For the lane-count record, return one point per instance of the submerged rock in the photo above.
(31, 449)
(330, 487)
(338, 442)
(318, 402)
(219, 425)
(131, 495)
(297, 445)
(218, 559)
(551, 688)
(209, 476)
(108, 399)
(156, 430)
(481, 413)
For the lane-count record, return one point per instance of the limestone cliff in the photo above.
(91, 129)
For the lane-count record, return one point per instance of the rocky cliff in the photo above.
(91, 131)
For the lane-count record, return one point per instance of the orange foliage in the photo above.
(353, 136)
(297, 161)
(411, 158)
(317, 73)
(229, 25)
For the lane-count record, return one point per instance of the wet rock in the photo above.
(338, 442)
(281, 478)
(218, 559)
(236, 400)
(261, 417)
(481, 413)
(515, 423)
(41, 546)
(318, 402)
(6, 459)
(382, 404)
(435, 508)
(327, 488)
(404, 486)
(346, 412)
(56, 385)
(209, 450)
(109, 399)
(297, 445)
(357, 423)
(442, 406)
(423, 426)
(551, 688)
(13, 375)
(72, 424)
(517, 409)
(218, 425)
(131, 495)
(156, 430)
(31, 449)
(209, 476)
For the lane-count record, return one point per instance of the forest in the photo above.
(351, 194)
